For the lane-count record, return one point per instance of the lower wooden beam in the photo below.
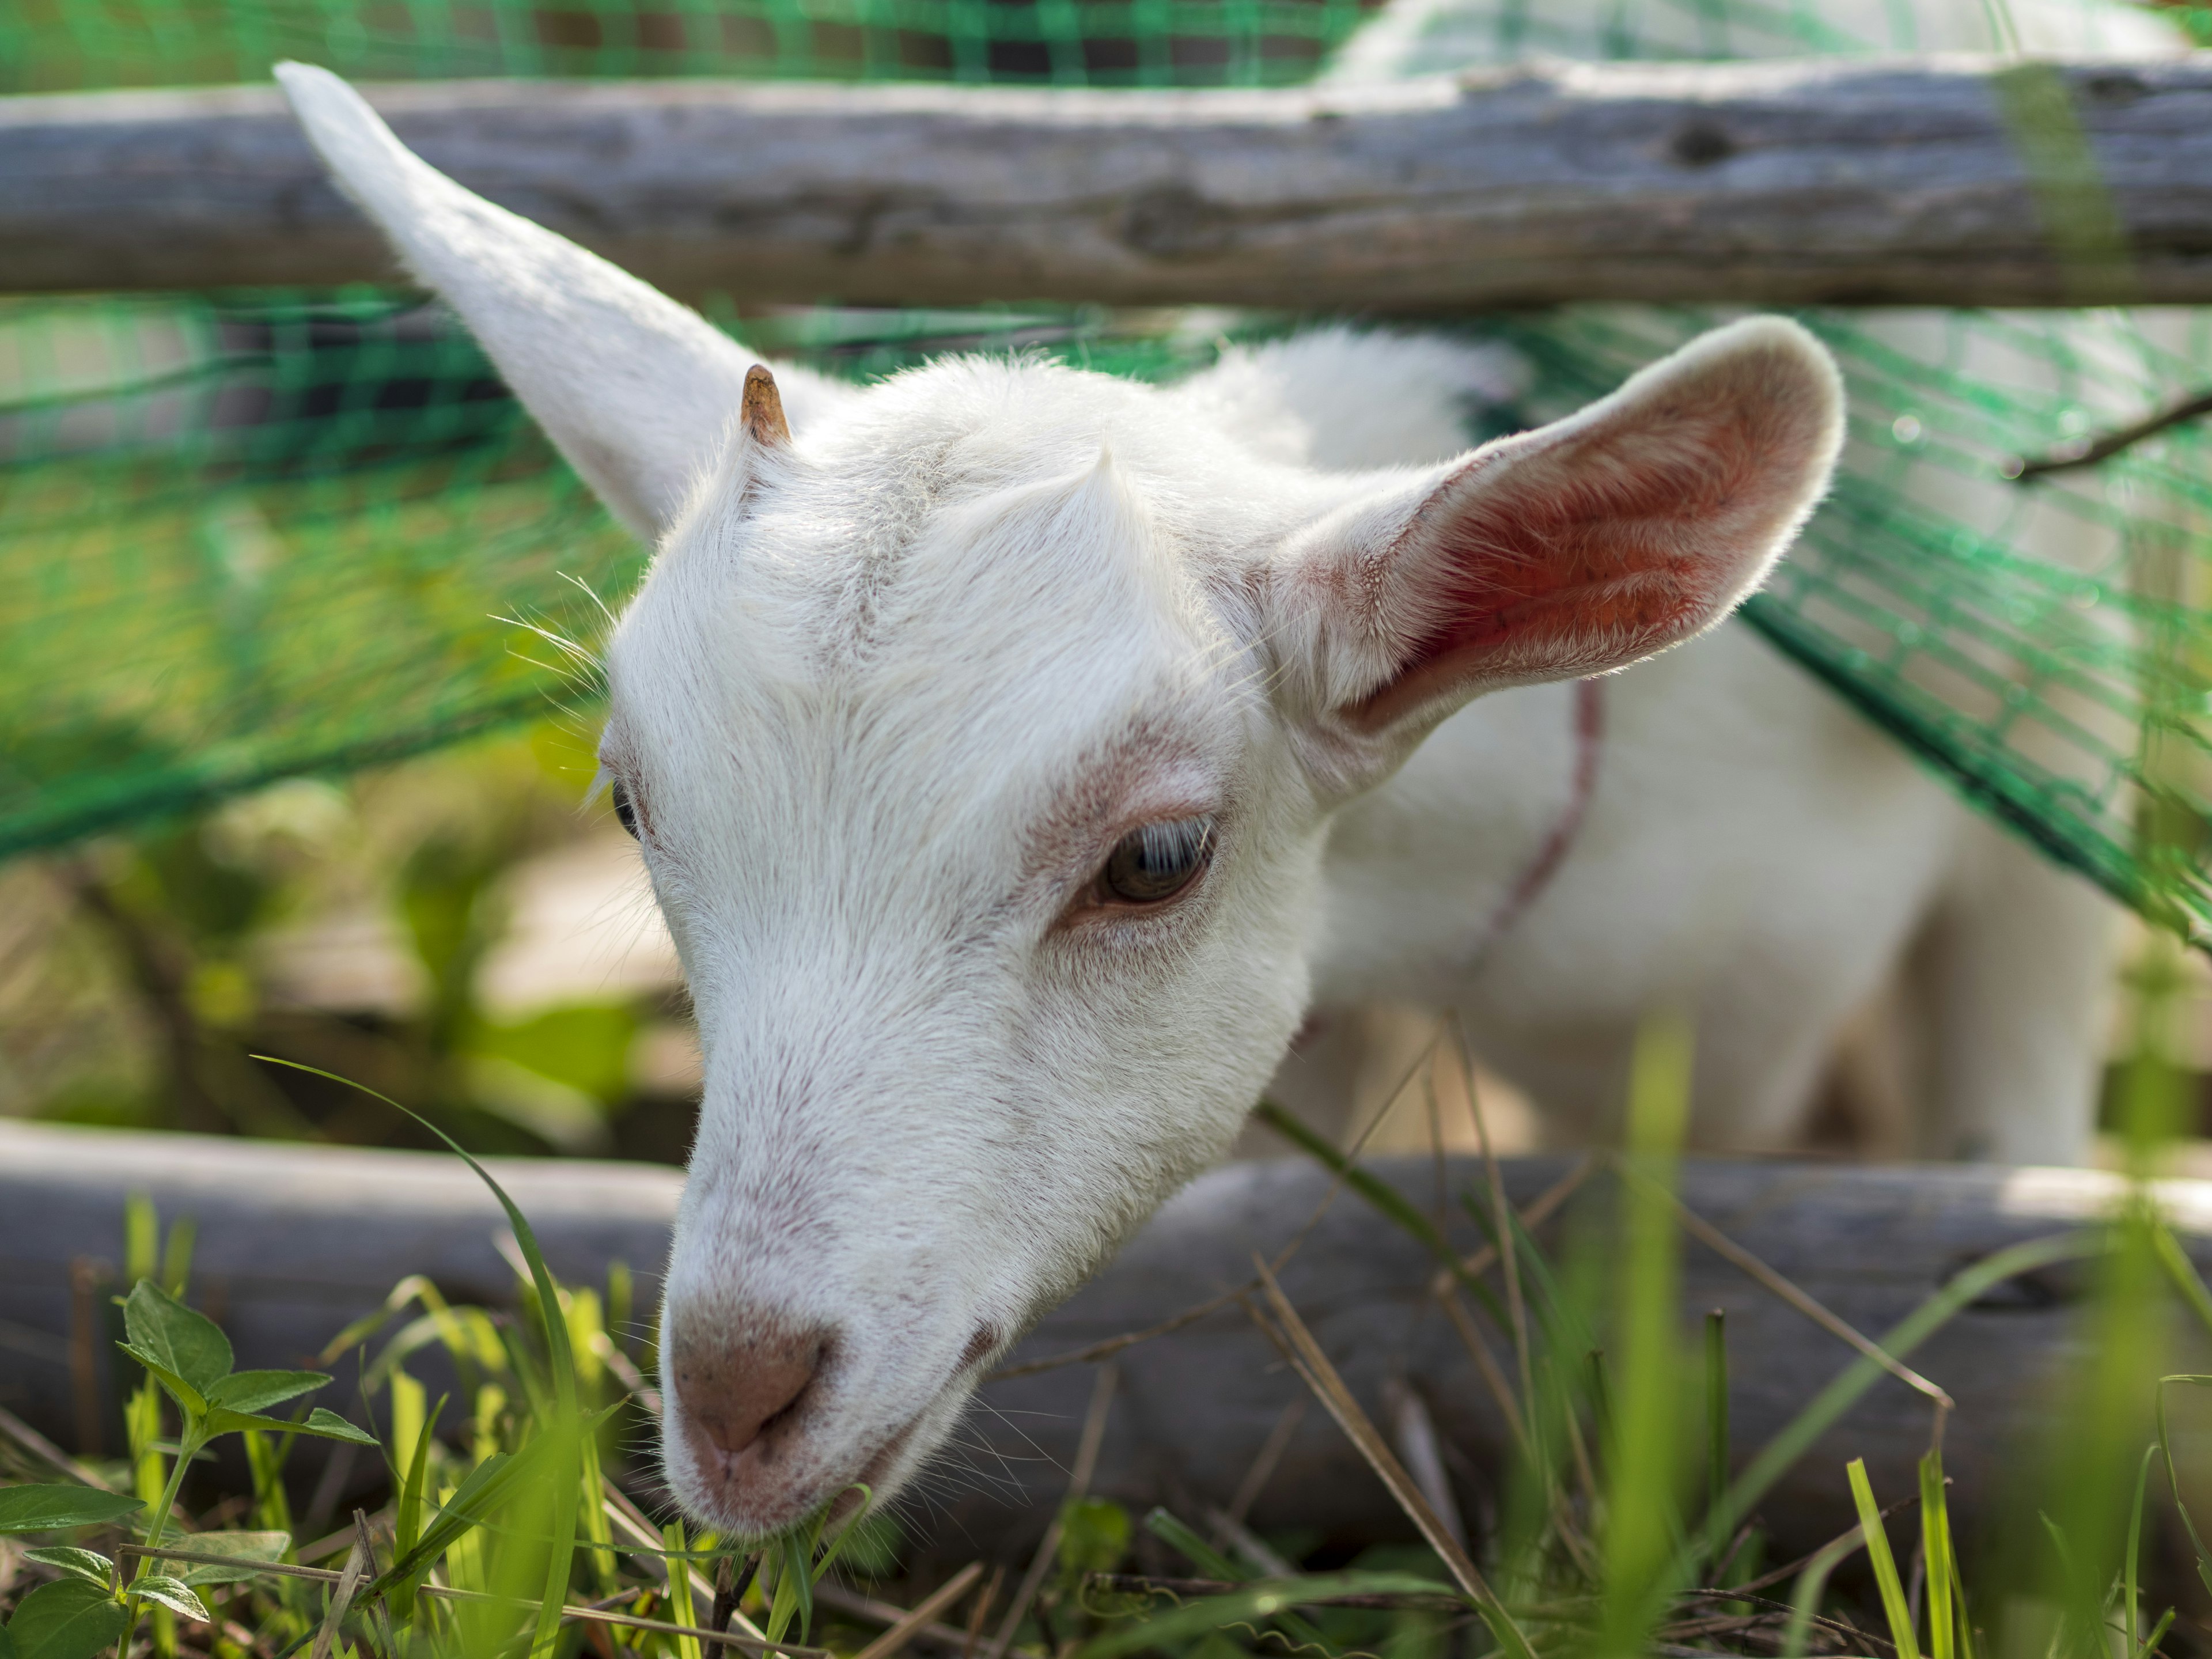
(293, 1243)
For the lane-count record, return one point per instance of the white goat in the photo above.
(1016, 752)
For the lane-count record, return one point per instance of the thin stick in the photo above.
(1444, 1287)
(38, 1446)
(1079, 1485)
(1733, 1253)
(839, 1599)
(1417, 1446)
(924, 1611)
(1263, 1465)
(348, 1581)
(1535, 1214)
(1306, 1356)
(1485, 1364)
(1501, 1217)
(2102, 446)
(1113, 1345)
(1842, 1541)
(341, 1539)
(981, 1610)
(631, 1519)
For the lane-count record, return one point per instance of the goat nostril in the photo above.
(734, 1394)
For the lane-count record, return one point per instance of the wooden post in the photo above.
(1860, 182)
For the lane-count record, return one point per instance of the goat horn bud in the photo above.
(762, 409)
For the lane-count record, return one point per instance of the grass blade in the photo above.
(2130, 1591)
(1935, 1551)
(1716, 1407)
(1893, 1605)
(1811, 1585)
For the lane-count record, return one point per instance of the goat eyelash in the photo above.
(1155, 864)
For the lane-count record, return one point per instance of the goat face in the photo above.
(957, 775)
(982, 737)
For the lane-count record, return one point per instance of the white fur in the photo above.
(893, 691)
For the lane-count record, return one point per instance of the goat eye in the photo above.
(1153, 864)
(625, 814)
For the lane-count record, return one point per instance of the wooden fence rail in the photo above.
(1862, 182)
(293, 1243)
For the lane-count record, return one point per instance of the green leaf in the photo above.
(190, 1398)
(82, 1564)
(329, 1426)
(322, 1423)
(66, 1619)
(248, 1547)
(6, 1645)
(1094, 1536)
(172, 1594)
(57, 1509)
(256, 1391)
(189, 1344)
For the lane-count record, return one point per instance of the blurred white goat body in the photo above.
(1751, 852)
(1015, 751)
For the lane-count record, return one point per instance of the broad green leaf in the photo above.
(256, 1391)
(6, 1645)
(172, 1594)
(83, 1563)
(68, 1618)
(248, 1547)
(187, 1343)
(57, 1509)
(190, 1398)
(323, 1423)
(1094, 1536)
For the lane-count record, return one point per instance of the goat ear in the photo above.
(1574, 549)
(635, 390)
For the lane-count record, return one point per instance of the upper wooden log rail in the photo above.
(1861, 182)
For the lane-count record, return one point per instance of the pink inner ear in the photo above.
(1596, 549)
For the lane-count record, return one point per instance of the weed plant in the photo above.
(1626, 1521)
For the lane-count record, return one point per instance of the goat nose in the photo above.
(734, 1386)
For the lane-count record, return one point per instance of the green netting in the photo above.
(246, 536)
(243, 535)
(49, 45)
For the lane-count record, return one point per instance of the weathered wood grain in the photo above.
(1865, 182)
(293, 1243)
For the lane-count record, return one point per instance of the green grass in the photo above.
(1618, 1530)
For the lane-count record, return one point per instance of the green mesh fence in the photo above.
(245, 536)
(48, 45)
